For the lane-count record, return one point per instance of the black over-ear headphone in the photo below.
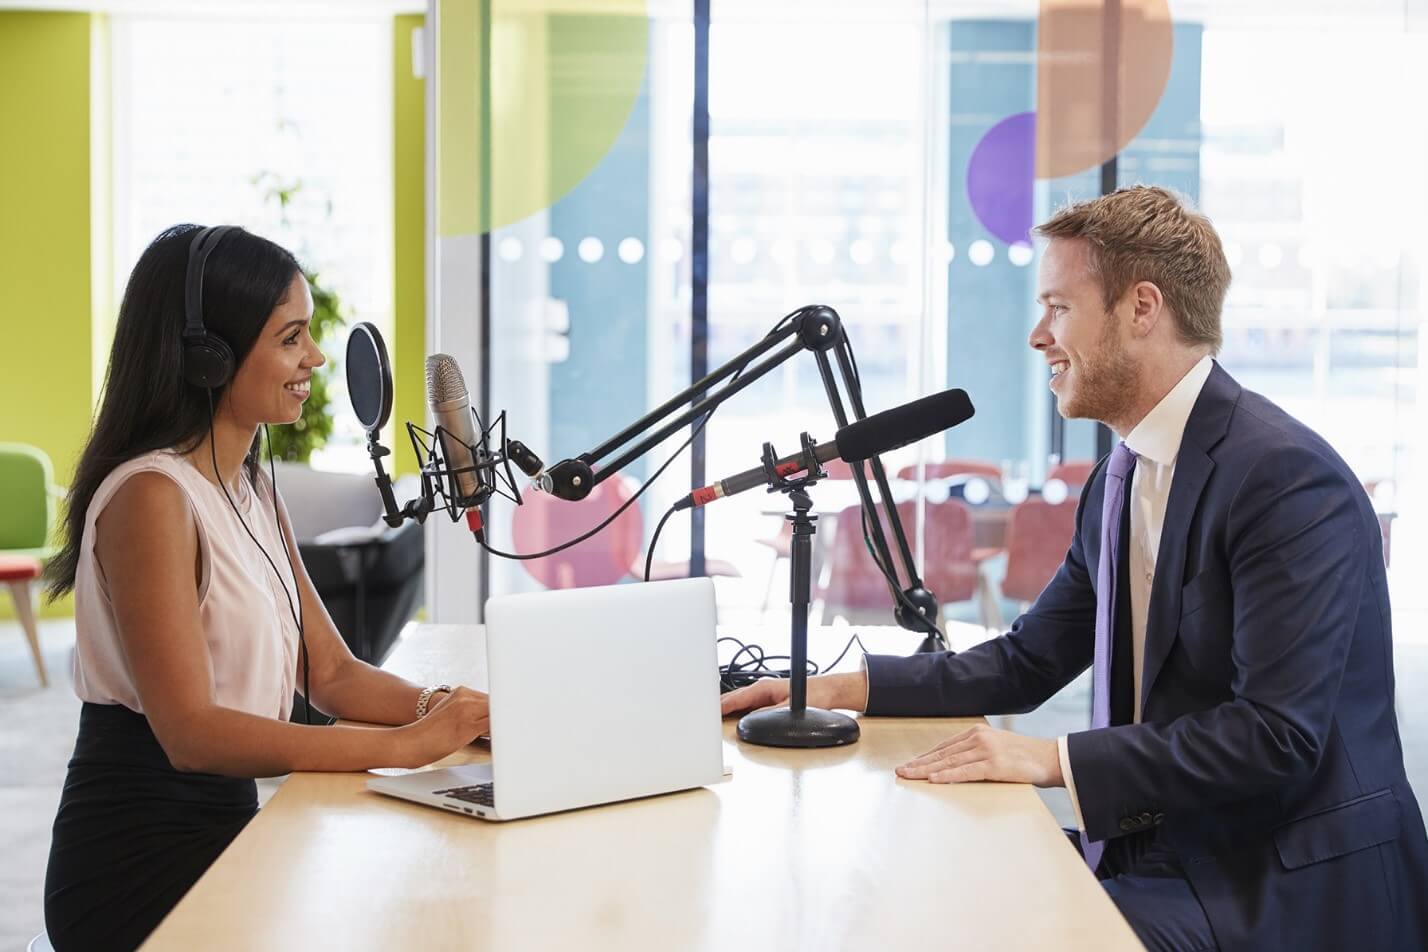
(207, 358)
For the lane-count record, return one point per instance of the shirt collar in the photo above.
(1157, 437)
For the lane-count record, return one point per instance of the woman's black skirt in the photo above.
(132, 833)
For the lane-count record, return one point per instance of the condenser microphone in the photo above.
(451, 408)
(858, 441)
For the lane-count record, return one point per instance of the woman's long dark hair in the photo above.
(147, 405)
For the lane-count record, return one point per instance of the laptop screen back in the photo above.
(602, 694)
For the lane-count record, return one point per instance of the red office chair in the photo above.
(18, 572)
(1038, 535)
(854, 587)
(609, 556)
(1073, 474)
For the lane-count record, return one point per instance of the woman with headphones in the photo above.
(194, 620)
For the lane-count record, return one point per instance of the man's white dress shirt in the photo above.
(1156, 443)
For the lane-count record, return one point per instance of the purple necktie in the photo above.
(1117, 476)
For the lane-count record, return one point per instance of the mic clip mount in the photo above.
(807, 463)
(439, 486)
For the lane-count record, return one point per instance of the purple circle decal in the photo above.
(1000, 177)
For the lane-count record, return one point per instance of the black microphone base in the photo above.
(930, 644)
(811, 727)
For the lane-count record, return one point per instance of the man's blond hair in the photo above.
(1147, 233)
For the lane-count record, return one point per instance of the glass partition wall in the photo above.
(888, 160)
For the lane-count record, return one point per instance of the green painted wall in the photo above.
(56, 312)
(409, 232)
(46, 257)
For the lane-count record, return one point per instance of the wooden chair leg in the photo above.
(25, 608)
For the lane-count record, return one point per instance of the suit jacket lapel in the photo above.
(1193, 465)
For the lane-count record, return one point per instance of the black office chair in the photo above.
(368, 574)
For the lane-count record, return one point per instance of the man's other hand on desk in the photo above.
(848, 692)
(985, 753)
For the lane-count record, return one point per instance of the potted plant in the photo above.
(296, 443)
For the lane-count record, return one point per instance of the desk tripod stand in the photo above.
(798, 725)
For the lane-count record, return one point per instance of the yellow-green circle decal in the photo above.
(531, 95)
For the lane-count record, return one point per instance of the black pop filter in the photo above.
(369, 377)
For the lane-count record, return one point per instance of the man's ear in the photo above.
(1147, 307)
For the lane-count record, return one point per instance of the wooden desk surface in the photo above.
(808, 850)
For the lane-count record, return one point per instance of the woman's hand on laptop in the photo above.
(457, 720)
(846, 691)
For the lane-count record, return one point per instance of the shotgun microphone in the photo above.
(858, 441)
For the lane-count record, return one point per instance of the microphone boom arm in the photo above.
(818, 329)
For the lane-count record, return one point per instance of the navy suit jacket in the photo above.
(1268, 755)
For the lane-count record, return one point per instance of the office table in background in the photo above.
(801, 849)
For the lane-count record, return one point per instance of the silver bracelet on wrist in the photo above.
(425, 697)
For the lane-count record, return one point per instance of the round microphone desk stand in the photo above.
(798, 725)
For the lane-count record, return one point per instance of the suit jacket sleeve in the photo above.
(1046, 648)
(1296, 562)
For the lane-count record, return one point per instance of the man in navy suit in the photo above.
(1247, 789)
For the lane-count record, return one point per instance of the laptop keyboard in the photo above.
(482, 794)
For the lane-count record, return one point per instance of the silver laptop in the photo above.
(597, 695)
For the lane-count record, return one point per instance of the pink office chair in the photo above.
(609, 556)
(543, 521)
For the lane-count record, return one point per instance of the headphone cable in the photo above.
(295, 612)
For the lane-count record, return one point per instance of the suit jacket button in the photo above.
(1127, 825)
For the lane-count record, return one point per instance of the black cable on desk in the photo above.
(738, 674)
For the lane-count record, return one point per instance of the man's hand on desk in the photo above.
(985, 753)
(456, 720)
(848, 692)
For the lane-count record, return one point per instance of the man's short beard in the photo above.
(1107, 383)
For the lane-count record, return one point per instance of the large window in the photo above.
(280, 126)
(885, 160)
(1311, 176)
(889, 160)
